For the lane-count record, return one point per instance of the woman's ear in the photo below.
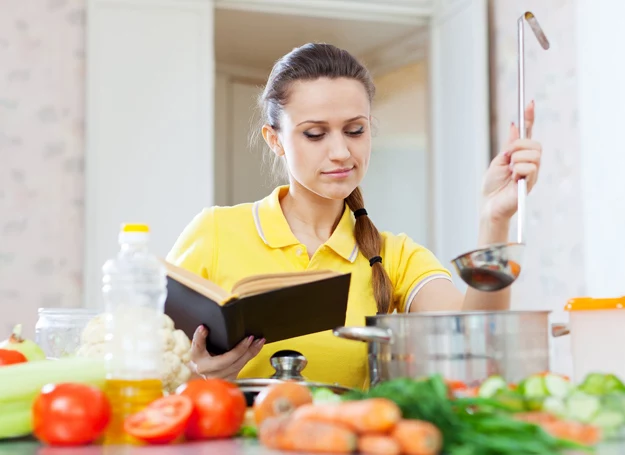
(273, 141)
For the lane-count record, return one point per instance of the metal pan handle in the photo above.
(559, 329)
(369, 334)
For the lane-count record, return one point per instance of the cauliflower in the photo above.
(176, 349)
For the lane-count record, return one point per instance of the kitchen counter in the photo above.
(222, 447)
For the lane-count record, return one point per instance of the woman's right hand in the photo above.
(224, 366)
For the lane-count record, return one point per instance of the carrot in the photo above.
(536, 417)
(373, 444)
(417, 437)
(284, 433)
(573, 431)
(374, 415)
(280, 398)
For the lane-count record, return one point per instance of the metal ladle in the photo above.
(497, 266)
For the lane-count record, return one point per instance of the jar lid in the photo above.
(593, 304)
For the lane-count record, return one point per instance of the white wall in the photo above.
(554, 269)
(397, 188)
(601, 116)
(150, 101)
(241, 174)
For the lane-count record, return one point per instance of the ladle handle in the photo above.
(522, 184)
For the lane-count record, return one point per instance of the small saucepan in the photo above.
(288, 366)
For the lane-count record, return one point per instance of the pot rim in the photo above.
(429, 314)
(264, 382)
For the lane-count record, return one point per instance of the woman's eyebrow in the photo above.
(323, 122)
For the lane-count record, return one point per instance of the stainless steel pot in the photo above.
(288, 366)
(465, 346)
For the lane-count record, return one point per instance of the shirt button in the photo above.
(299, 251)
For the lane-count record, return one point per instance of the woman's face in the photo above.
(325, 136)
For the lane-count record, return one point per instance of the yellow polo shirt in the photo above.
(226, 244)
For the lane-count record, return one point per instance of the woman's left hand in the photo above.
(519, 159)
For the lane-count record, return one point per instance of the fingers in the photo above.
(525, 157)
(198, 344)
(523, 144)
(529, 119)
(226, 364)
(252, 352)
(224, 361)
(529, 116)
(513, 135)
(528, 171)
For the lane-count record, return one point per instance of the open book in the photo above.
(271, 306)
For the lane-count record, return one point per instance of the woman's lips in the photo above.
(339, 173)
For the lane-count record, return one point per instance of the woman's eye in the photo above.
(357, 132)
(313, 136)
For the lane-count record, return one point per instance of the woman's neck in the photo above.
(310, 214)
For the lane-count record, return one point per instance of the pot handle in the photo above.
(369, 334)
(559, 329)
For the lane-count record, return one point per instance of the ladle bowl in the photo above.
(492, 268)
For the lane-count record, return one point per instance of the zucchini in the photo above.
(602, 384)
(555, 406)
(491, 386)
(557, 386)
(533, 387)
(582, 406)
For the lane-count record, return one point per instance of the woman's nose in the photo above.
(339, 150)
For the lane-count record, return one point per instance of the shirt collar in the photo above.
(275, 232)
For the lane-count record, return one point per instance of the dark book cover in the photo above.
(275, 315)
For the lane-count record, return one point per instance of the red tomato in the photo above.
(70, 414)
(163, 421)
(218, 408)
(10, 357)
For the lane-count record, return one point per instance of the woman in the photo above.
(317, 113)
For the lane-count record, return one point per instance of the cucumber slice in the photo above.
(613, 385)
(593, 384)
(608, 420)
(602, 384)
(324, 395)
(582, 406)
(491, 386)
(557, 386)
(555, 406)
(510, 399)
(534, 387)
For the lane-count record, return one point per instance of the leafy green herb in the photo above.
(470, 426)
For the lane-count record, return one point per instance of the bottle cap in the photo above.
(134, 233)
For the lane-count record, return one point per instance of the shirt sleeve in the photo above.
(194, 248)
(410, 267)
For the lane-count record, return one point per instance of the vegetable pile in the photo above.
(599, 400)
(289, 419)
(478, 425)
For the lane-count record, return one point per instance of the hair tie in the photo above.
(375, 259)
(360, 212)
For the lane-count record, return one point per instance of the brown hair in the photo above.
(311, 62)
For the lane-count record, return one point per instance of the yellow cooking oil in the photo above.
(128, 397)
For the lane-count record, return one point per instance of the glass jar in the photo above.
(58, 330)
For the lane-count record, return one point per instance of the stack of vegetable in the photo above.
(289, 419)
(599, 400)
(406, 416)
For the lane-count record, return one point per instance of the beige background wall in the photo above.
(42, 149)
(41, 157)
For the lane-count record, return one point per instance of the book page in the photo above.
(258, 284)
(197, 283)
